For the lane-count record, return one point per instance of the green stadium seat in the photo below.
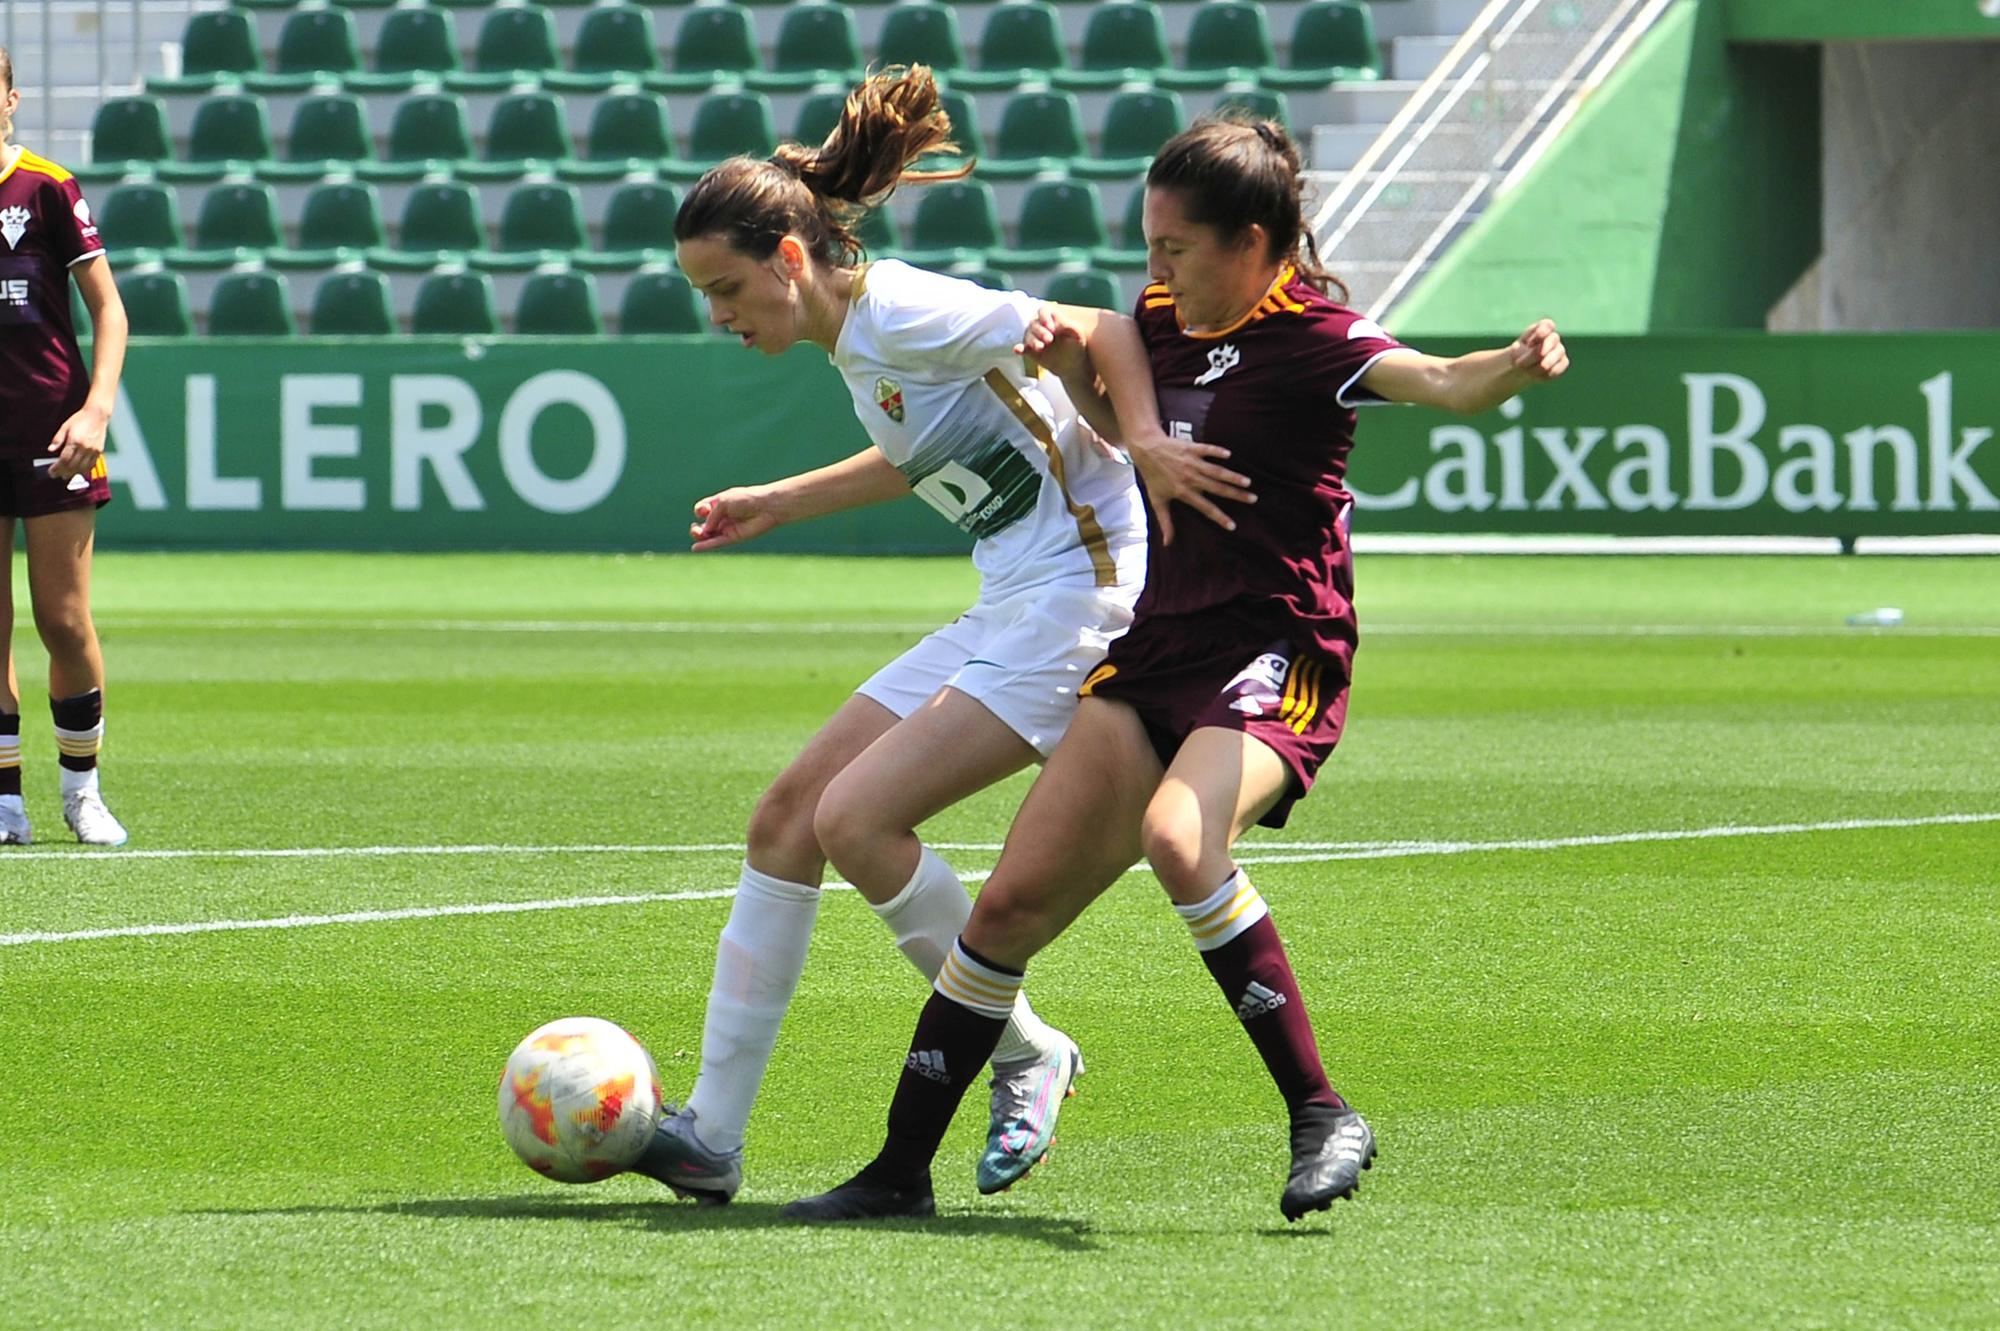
(352, 305)
(1061, 222)
(528, 132)
(251, 305)
(921, 32)
(427, 134)
(964, 113)
(361, 4)
(1123, 42)
(713, 43)
(156, 304)
(515, 45)
(315, 45)
(1040, 132)
(341, 223)
(993, 279)
(877, 232)
(659, 303)
(235, 224)
(1022, 42)
(1263, 103)
(138, 222)
(558, 305)
(441, 224)
(231, 133)
(1090, 287)
(956, 221)
(413, 46)
(1136, 123)
(463, 4)
(79, 313)
(726, 124)
(217, 47)
(819, 113)
(538, 224)
(1228, 41)
(1332, 42)
(1128, 256)
(329, 132)
(816, 43)
(628, 134)
(267, 6)
(459, 304)
(638, 228)
(614, 45)
(128, 135)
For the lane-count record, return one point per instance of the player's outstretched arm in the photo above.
(79, 443)
(1111, 383)
(1475, 382)
(746, 511)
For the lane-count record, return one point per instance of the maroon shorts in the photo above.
(1182, 674)
(28, 491)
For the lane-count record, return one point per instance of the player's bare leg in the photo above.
(946, 750)
(59, 550)
(14, 830)
(1221, 782)
(698, 1151)
(1076, 833)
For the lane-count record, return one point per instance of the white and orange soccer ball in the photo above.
(579, 1100)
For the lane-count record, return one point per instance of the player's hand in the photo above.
(1539, 353)
(1183, 470)
(1056, 345)
(732, 516)
(79, 444)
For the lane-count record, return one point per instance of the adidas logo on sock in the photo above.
(930, 1063)
(1257, 1000)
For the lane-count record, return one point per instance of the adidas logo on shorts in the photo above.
(930, 1063)
(1257, 1000)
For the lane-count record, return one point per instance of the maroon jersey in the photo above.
(47, 230)
(1278, 389)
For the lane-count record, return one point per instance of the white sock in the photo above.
(73, 782)
(758, 961)
(927, 917)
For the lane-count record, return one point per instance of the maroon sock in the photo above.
(1256, 978)
(951, 1045)
(10, 774)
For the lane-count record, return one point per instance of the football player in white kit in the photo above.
(954, 412)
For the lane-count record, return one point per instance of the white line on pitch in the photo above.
(1285, 855)
(826, 627)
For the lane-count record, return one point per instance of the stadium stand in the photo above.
(509, 142)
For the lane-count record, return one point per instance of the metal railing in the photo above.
(72, 54)
(1466, 135)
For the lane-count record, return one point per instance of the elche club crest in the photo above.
(889, 397)
(13, 224)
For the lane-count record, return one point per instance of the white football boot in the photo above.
(93, 824)
(14, 822)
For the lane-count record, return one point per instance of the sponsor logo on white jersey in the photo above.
(1221, 361)
(929, 1063)
(1257, 1000)
(13, 224)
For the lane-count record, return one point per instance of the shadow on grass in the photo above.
(681, 1217)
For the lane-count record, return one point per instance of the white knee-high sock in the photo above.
(927, 917)
(758, 961)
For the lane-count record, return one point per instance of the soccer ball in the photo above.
(579, 1100)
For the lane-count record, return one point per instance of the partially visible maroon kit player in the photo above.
(53, 415)
(1215, 710)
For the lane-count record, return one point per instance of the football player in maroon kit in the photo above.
(1214, 711)
(52, 461)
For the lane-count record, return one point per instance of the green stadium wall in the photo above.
(437, 443)
(1684, 197)
(1861, 20)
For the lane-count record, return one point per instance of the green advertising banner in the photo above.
(439, 443)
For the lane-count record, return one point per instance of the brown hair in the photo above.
(820, 194)
(6, 68)
(1232, 170)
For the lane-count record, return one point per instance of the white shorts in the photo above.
(1023, 659)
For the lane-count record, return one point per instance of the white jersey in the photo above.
(999, 451)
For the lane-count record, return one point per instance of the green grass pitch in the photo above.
(1619, 1080)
